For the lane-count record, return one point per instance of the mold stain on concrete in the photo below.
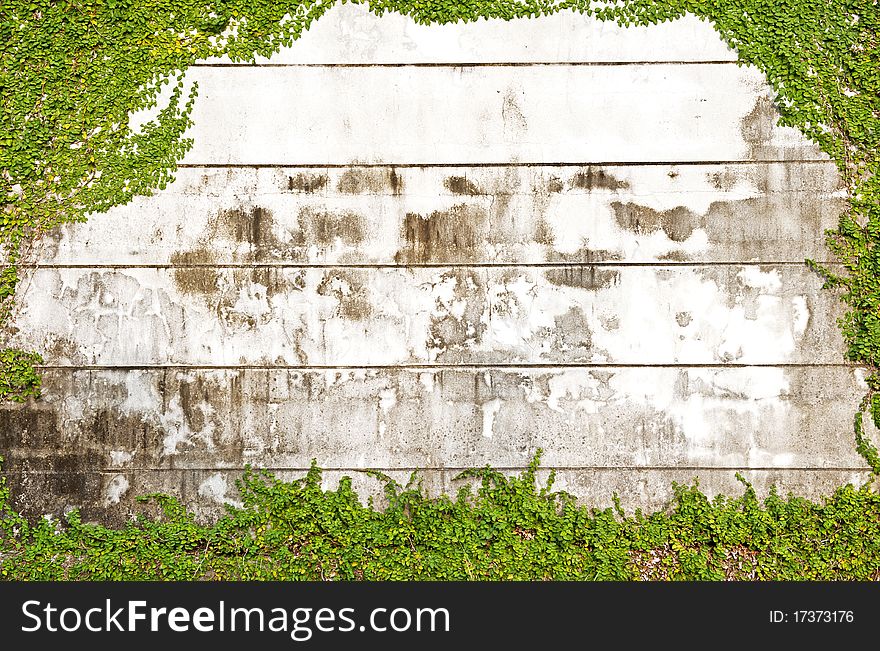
(588, 277)
(350, 288)
(325, 227)
(453, 235)
(555, 184)
(757, 127)
(569, 340)
(370, 181)
(592, 178)
(308, 183)
(461, 185)
(254, 227)
(191, 393)
(192, 275)
(512, 116)
(678, 223)
(725, 179)
(583, 255)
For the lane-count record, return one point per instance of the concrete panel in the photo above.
(666, 417)
(575, 114)
(450, 215)
(351, 34)
(594, 314)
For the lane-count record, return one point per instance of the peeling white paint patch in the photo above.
(141, 395)
(801, 315)
(177, 431)
(490, 410)
(215, 488)
(768, 281)
(120, 457)
(115, 490)
(572, 384)
(427, 381)
(785, 459)
(387, 400)
(861, 376)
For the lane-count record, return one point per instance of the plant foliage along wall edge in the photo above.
(73, 72)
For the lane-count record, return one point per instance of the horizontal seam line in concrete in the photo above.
(462, 64)
(380, 367)
(450, 469)
(438, 265)
(354, 165)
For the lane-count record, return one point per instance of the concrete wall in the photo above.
(404, 247)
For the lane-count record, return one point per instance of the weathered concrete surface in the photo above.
(450, 417)
(440, 215)
(597, 252)
(488, 114)
(355, 316)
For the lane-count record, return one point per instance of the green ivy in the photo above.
(509, 528)
(18, 378)
(74, 74)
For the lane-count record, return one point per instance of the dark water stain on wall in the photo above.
(678, 223)
(584, 255)
(254, 227)
(191, 275)
(725, 179)
(370, 180)
(325, 227)
(570, 338)
(308, 183)
(757, 128)
(461, 185)
(741, 223)
(454, 235)
(588, 277)
(555, 184)
(350, 287)
(61, 349)
(53, 463)
(592, 178)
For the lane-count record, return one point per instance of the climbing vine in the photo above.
(95, 111)
(509, 528)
